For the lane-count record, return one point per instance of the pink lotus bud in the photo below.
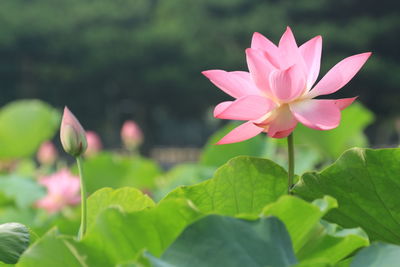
(94, 144)
(131, 134)
(47, 153)
(62, 190)
(72, 134)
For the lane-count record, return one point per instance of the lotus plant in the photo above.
(73, 140)
(278, 92)
(72, 134)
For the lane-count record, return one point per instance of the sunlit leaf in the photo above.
(127, 199)
(366, 184)
(51, 250)
(182, 174)
(117, 236)
(243, 185)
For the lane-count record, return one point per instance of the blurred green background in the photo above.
(112, 60)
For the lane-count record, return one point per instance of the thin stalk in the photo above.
(291, 162)
(82, 229)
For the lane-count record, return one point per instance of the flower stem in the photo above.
(82, 229)
(291, 162)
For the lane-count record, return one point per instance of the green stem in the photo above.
(291, 162)
(82, 229)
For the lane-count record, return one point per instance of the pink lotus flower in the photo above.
(131, 134)
(94, 144)
(47, 153)
(62, 190)
(278, 91)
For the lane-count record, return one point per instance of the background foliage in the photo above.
(141, 59)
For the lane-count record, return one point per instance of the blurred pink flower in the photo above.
(47, 153)
(131, 134)
(62, 190)
(94, 144)
(278, 91)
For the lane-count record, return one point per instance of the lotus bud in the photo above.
(15, 238)
(94, 144)
(47, 153)
(131, 134)
(72, 134)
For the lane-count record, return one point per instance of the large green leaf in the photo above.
(216, 155)
(117, 237)
(378, 255)
(366, 184)
(111, 170)
(333, 245)
(127, 199)
(24, 125)
(52, 250)
(182, 174)
(216, 241)
(23, 191)
(243, 185)
(313, 242)
(14, 239)
(348, 134)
